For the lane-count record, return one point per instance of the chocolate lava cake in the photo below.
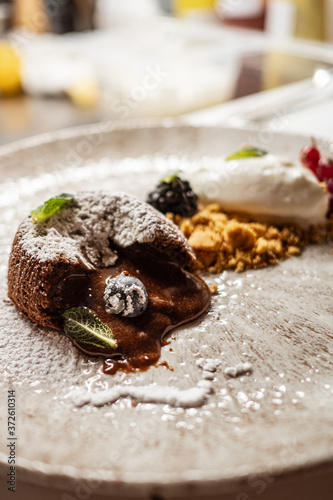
(66, 260)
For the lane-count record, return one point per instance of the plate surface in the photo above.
(276, 420)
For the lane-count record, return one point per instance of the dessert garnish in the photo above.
(325, 168)
(247, 152)
(329, 187)
(174, 195)
(309, 156)
(239, 369)
(321, 166)
(111, 271)
(267, 188)
(262, 210)
(125, 295)
(229, 241)
(50, 207)
(83, 327)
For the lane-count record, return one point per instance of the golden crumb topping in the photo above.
(224, 241)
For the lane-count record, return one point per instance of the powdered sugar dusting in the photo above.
(187, 398)
(239, 369)
(193, 397)
(209, 365)
(115, 304)
(81, 232)
(130, 305)
(30, 353)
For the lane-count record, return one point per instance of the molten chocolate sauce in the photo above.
(175, 297)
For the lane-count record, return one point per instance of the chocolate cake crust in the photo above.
(82, 237)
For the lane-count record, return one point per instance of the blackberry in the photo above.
(174, 195)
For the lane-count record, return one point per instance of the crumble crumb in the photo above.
(228, 241)
(213, 289)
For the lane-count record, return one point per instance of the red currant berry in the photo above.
(309, 157)
(325, 168)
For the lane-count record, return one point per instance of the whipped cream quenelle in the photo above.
(268, 187)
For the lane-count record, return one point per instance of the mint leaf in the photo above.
(171, 178)
(251, 152)
(50, 207)
(83, 327)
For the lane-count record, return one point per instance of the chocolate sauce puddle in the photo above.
(175, 297)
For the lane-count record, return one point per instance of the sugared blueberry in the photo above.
(125, 295)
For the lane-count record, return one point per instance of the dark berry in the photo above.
(330, 206)
(325, 168)
(329, 186)
(174, 195)
(125, 295)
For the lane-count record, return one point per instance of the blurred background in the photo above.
(71, 62)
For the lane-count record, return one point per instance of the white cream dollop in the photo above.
(268, 188)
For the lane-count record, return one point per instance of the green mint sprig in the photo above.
(50, 207)
(171, 178)
(250, 152)
(83, 327)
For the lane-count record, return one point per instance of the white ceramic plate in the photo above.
(271, 423)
